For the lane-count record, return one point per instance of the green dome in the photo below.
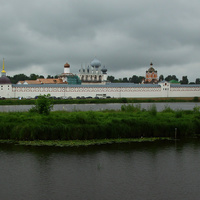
(174, 81)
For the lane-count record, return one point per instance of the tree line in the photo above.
(22, 77)
(138, 79)
(134, 79)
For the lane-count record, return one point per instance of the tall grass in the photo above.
(129, 123)
(167, 109)
(131, 108)
(152, 110)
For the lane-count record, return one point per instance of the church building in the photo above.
(93, 74)
(151, 75)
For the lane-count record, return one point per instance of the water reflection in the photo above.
(158, 170)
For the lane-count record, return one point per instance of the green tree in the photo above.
(49, 76)
(141, 78)
(161, 78)
(18, 77)
(168, 78)
(184, 80)
(33, 77)
(125, 80)
(134, 79)
(43, 105)
(171, 77)
(197, 81)
(174, 78)
(111, 78)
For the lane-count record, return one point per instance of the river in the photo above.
(159, 170)
(97, 107)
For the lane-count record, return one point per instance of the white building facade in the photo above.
(93, 74)
(116, 90)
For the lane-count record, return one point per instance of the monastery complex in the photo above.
(91, 81)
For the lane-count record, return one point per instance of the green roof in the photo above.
(174, 81)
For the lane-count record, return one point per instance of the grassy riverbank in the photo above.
(131, 122)
(92, 101)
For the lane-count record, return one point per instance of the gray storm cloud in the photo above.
(125, 35)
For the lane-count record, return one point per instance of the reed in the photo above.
(62, 125)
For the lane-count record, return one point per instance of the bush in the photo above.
(196, 109)
(43, 105)
(124, 100)
(178, 113)
(131, 108)
(167, 109)
(196, 99)
(153, 110)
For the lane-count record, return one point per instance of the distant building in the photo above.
(68, 77)
(42, 81)
(64, 78)
(69, 86)
(93, 74)
(5, 84)
(151, 75)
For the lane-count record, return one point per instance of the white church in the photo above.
(93, 74)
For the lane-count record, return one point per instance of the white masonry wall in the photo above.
(6, 90)
(165, 90)
(185, 92)
(117, 92)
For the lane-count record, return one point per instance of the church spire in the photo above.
(3, 72)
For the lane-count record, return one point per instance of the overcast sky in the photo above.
(40, 36)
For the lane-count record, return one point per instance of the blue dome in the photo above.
(104, 70)
(95, 63)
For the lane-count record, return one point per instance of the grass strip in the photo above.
(92, 101)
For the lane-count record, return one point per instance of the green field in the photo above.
(131, 122)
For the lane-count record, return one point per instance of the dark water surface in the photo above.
(147, 171)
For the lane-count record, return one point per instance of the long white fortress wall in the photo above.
(137, 91)
(185, 91)
(118, 92)
(163, 89)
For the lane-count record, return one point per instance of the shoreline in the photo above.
(79, 143)
(100, 101)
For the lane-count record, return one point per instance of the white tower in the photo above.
(67, 68)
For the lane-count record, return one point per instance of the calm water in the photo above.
(96, 107)
(146, 171)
